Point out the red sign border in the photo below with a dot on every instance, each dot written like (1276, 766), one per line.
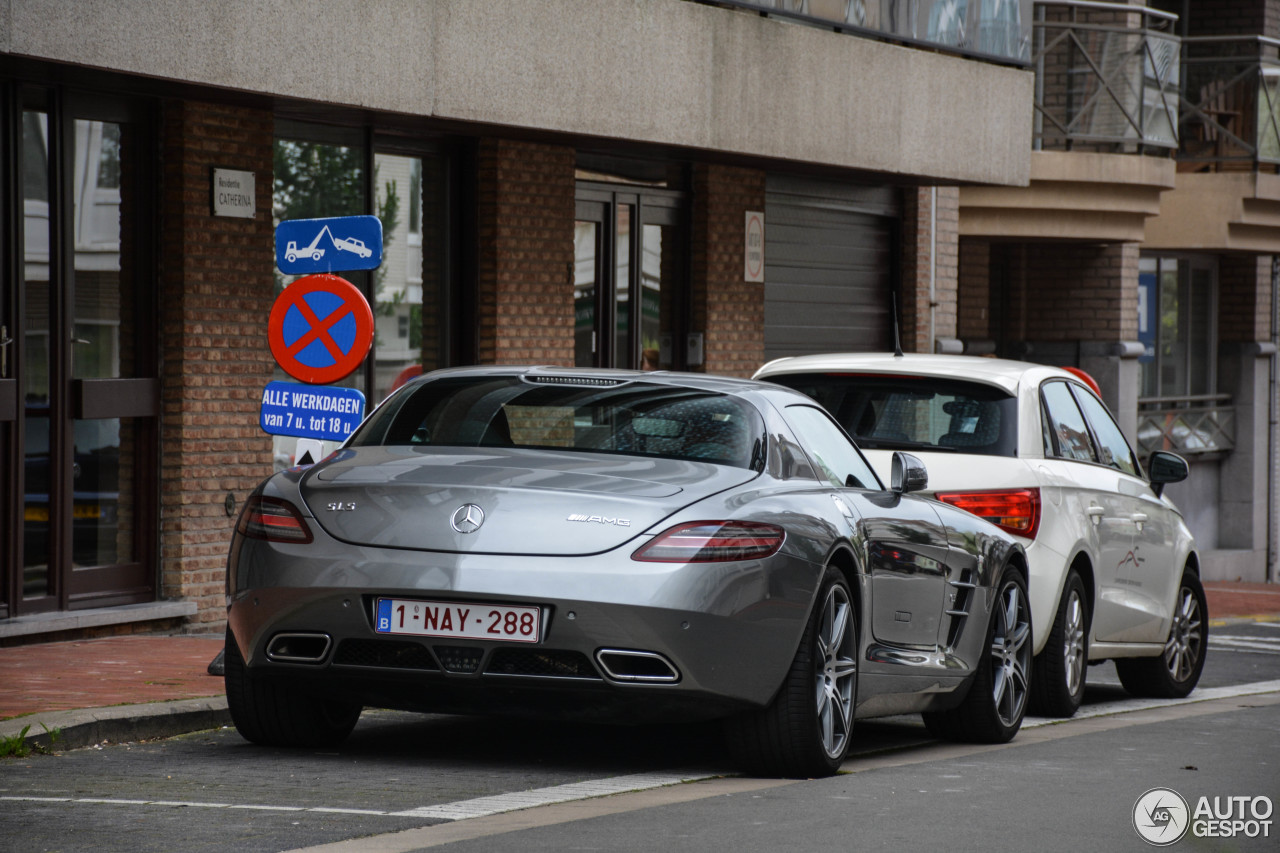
(352, 299)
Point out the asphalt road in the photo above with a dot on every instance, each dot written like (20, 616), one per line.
(406, 782)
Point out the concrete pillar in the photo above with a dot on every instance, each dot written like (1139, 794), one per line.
(1244, 373)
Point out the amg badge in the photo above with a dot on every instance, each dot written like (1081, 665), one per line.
(601, 519)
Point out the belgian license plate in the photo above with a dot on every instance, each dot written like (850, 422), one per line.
(459, 619)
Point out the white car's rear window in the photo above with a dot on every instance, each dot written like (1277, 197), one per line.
(915, 412)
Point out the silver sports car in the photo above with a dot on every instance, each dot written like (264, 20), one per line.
(621, 546)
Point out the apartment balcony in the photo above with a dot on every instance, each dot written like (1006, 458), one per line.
(1230, 113)
(1105, 128)
(1227, 196)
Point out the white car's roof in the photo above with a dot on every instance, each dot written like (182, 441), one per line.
(999, 372)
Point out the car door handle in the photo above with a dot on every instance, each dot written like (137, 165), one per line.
(1095, 513)
(1139, 518)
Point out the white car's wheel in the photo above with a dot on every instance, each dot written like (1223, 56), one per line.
(1057, 686)
(1176, 671)
(805, 731)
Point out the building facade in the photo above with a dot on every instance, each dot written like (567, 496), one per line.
(1144, 247)
(559, 183)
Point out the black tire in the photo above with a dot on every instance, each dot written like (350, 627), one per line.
(1061, 668)
(1176, 671)
(805, 731)
(270, 713)
(996, 702)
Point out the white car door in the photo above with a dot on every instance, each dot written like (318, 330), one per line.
(1136, 600)
(1090, 495)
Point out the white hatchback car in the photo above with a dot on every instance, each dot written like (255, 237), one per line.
(1114, 570)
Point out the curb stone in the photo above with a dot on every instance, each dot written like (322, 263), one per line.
(119, 723)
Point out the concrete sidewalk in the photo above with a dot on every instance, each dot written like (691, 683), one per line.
(137, 687)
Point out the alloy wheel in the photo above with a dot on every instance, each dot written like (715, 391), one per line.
(836, 670)
(1011, 654)
(1073, 643)
(1186, 640)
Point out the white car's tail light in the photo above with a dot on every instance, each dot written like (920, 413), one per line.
(274, 520)
(1014, 510)
(713, 542)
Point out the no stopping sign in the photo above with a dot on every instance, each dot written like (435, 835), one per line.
(321, 328)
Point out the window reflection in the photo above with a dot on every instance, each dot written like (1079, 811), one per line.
(319, 179)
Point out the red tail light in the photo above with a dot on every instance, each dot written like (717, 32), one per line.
(713, 542)
(1014, 510)
(274, 520)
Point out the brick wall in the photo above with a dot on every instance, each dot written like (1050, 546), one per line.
(525, 211)
(1244, 298)
(1081, 292)
(215, 297)
(973, 300)
(726, 308)
(930, 250)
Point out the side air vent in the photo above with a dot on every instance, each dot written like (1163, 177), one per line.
(963, 590)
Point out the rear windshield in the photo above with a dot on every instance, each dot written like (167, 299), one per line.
(915, 412)
(634, 418)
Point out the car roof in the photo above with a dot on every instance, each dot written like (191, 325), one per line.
(1001, 373)
(553, 374)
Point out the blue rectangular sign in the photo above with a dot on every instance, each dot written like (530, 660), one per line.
(335, 244)
(1147, 316)
(311, 411)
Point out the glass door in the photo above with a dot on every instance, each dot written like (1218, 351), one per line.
(630, 267)
(82, 355)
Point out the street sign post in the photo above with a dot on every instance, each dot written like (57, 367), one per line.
(320, 329)
(333, 244)
(308, 411)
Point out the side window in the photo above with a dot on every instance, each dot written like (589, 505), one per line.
(1069, 430)
(833, 455)
(1113, 450)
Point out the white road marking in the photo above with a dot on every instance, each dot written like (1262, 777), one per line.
(576, 791)
(484, 806)
(461, 810)
(1236, 642)
(1200, 694)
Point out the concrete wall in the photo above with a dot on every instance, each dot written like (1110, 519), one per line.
(656, 71)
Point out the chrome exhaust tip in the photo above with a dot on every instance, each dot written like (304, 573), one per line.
(637, 667)
(299, 648)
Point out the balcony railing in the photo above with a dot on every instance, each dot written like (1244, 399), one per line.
(1230, 113)
(991, 29)
(1106, 77)
(1189, 425)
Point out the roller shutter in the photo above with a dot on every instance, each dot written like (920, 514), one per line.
(828, 266)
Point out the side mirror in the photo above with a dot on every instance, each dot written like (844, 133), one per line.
(1164, 467)
(908, 473)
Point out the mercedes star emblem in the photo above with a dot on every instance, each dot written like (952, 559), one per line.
(467, 518)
